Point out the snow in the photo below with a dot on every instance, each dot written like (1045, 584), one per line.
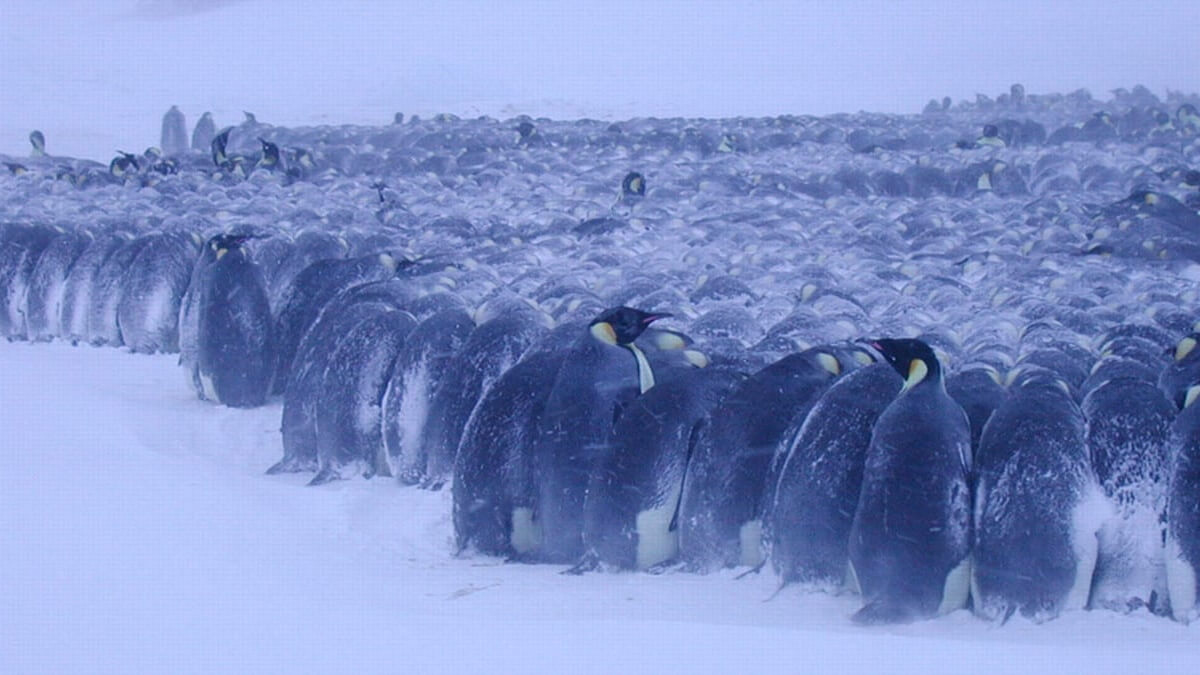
(140, 534)
(97, 77)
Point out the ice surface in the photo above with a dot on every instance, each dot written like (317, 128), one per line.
(140, 535)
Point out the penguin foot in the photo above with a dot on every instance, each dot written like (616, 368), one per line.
(588, 563)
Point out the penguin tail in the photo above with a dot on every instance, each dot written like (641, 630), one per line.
(882, 612)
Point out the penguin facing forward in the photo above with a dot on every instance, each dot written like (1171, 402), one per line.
(601, 372)
(1128, 424)
(234, 330)
(911, 535)
(1038, 506)
(630, 513)
(270, 160)
(350, 410)
(1183, 510)
(720, 516)
(808, 521)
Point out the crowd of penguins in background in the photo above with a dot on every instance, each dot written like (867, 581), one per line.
(944, 360)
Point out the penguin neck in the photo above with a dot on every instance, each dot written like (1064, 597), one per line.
(645, 372)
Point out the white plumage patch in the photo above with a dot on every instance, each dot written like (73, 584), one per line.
(750, 538)
(956, 588)
(526, 534)
(1181, 582)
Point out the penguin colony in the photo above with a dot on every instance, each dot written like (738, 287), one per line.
(943, 360)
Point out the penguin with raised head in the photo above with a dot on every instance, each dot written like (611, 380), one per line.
(270, 159)
(234, 329)
(807, 524)
(602, 371)
(1183, 510)
(720, 513)
(174, 140)
(1128, 422)
(38, 140)
(630, 513)
(911, 535)
(350, 411)
(124, 166)
(1038, 506)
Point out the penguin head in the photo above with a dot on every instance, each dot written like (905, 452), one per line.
(912, 358)
(123, 163)
(525, 129)
(1187, 347)
(223, 243)
(38, 141)
(990, 131)
(634, 184)
(270, 152)
(622, 325)
(218, 146)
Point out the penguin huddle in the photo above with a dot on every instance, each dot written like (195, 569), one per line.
(679, 380)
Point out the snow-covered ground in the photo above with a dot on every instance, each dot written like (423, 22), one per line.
(139, 534)
(96, 77)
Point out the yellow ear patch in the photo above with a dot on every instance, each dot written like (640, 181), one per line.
(387, 261)
(604, 332)
(863, 358)
(1193, 393)
(1185, 347)
(667, 341)
(917, 370)
(829, 362)
(221, 253)
(1151, 198)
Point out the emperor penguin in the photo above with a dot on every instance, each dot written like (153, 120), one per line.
(911, 535)
(602, 371)
(1038, 505)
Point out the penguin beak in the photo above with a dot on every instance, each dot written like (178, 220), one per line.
(655, 317)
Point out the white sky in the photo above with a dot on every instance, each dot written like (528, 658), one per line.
(97, 76)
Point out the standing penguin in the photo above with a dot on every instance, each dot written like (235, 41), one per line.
(349, 414)
(722, 504)
(47, 284)
(1038, 506)
(492, 348)
(234, 327)
(1183, 510)
(911, 536)
(152, 291)
(174, 139)
(202, 135)
(494, 488)
(1128, 422)
(808, 521)
(601, 372)
(630, 511)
